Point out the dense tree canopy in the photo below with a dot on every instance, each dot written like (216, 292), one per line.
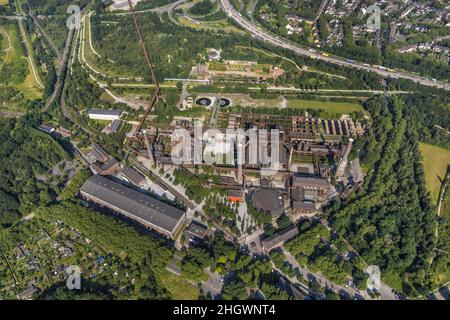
(25, 153)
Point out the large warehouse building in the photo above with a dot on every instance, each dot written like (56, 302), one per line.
(109, 115)
(150, 212)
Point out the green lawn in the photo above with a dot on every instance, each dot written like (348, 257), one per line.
(334, 107)
(179, 287)
(435, 162)
(13, 54)
(11, 43)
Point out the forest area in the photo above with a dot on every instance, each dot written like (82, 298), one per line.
(120, 54)
(53, 7)
(25, 154)
(391, 222)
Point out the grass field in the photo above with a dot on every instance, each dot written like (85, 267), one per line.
(179, 287)
(36, 80)
(334, 107)
(10, 45)
(247, 101)
(435, 162)
(14, 51)
(4, 2)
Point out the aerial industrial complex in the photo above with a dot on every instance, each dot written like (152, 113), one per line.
(224, 149)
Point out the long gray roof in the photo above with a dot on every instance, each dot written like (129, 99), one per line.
(133, 176)
(133, 202)
(279, 237)
(303, 205)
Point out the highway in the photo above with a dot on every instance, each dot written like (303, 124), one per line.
(278, 41)
(158, 10)
(172, 8)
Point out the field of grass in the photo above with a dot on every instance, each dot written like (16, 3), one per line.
(333, 107)
(11, 43)
(14, 52)
(247, 101)
(435, 162)
(179, 287)
(4, 2)
(35, 79)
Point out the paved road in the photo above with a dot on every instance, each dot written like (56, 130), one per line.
(294, 281)
(61, 69)
(172, 8)
(324, 282)
(158, 10)
(385, 291)
(284, 43)
(13, 17)
(321, 8)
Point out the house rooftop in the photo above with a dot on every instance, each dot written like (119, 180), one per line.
(46, 128)
(114, 126)
(279, 237)
(235, 193)
(197, 229)
(132, 176)
(304, 205)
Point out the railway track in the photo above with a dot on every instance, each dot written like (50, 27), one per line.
(155, 94)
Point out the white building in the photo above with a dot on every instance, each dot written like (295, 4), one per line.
(122, 5)
(110, 115)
